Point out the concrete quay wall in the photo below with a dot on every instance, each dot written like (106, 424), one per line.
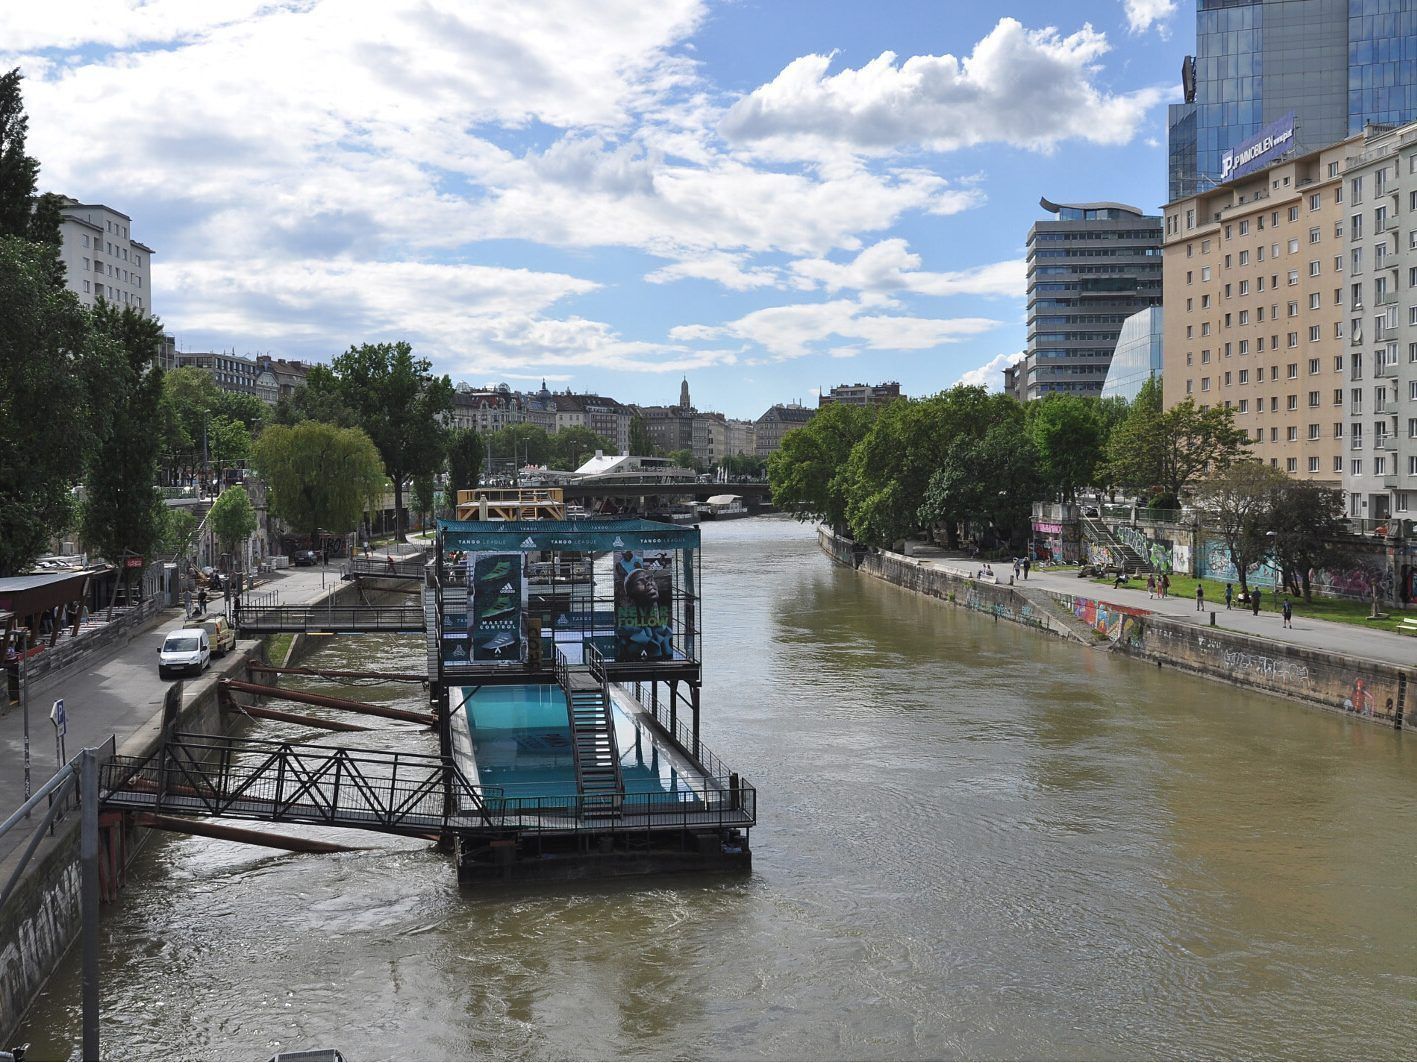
(41, 920)
(1357, 686)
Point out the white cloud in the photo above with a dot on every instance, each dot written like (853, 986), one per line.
(991, 374)
(890, 266)
(1143, 14)
(800, 329)
(1029, 88)
(719, 266)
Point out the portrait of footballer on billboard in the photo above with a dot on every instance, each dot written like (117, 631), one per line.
(644, 595)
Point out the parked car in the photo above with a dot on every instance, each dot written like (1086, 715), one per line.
(187, 649)
(221, 635)
(304, 558)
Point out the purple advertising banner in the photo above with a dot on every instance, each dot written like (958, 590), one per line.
(1259, 150)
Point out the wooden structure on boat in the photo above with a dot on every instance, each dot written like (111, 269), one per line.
(511, 503)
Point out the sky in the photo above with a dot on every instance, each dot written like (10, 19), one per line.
(766, 197)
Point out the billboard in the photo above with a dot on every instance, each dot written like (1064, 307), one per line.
(1258, 151)
(494, 607)
(644, 597)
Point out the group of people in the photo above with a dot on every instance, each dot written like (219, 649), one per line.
(1158, 587)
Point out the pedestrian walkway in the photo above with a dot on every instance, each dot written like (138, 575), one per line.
(1311, 634)
(115, 692)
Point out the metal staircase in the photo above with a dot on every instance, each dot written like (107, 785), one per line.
(1127, 558)
(597, 759)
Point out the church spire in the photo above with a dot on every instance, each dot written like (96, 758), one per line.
(684, 394)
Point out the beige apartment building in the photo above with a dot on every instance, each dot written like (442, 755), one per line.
(1254, 281)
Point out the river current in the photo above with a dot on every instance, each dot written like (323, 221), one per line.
(975, 841)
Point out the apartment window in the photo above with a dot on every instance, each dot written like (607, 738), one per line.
(1205, 273)
(1293, 211)
(1412, 428)
(1313, 333)
(1244, 261)
(1412, 390)
(1315, 200)
(1227, 380)
(1227, 261)
(1274, 404)
(1357, 260)
(1313, 464)
(1245, 317)
(1244, 375)
(1205, 328)
(1188, 386)
(1205, 302)
(1313, 366)
(1313, 431)
(86, 287)
(1338, 463)
(1244, 227)
(1338, 396)
(1274, 434)
(1400, 501)
(1293, 339)
(1291, 402)
(1189, 301)
(1244, 287)
(1293, 276)
(1292, 310)
(1380, 465)
(1338, 363)
(1355, 227)
(1356, 466)
(1190, 219)
(1259, 253)
(1205, 383)
(1244, 346)
(1259, 432)
(1313, 398)
(1188, 276)
(1314, 268)
(1291, 464)
(1291, 371)
(1205, 357)
(1337, 429)
(1190, 332)
(1190, 357)
(1315, 235)
(1293, 245)
(1190, 250)
(1244, 406)
(1355, 190)
(1338, 263)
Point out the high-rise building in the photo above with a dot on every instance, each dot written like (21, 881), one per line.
(1089, 271)
(101, 258)
(1379, 398)
(1336, 65)
(1257, 276)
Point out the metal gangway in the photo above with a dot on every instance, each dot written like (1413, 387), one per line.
(329, 619)
(376, 567)
(291, 782)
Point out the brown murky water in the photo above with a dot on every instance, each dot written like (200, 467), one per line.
(976, 841)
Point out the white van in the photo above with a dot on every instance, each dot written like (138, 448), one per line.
(186, 650)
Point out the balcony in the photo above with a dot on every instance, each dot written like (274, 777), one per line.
(1386, 444)
(1384, 371)
(1382, 409)
(1385, 299)
(1390, 480)
(1385, 334)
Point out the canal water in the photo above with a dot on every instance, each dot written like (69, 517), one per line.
(976, 841)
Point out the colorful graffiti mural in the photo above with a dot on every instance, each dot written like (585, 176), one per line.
(1215, 564)
(1155, 552)
(1106, 618)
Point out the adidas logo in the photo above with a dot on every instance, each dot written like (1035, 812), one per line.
(528, 543)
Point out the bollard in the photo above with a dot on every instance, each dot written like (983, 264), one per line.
(1212, 618)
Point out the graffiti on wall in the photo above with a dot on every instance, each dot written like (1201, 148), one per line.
(1105, 618)
(1278, 668)
(1358, 581)
(1215, 564)
(1155, 552)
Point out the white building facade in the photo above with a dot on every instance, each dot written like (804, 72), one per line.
(101, 258)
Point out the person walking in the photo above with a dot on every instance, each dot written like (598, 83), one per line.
(1027, 564)
(1229, 594)
(1017, 566)
(1287, 609)
(202, 602)
(1255, 600)
(1151, 585)
(1165, 585)
(1200, 597)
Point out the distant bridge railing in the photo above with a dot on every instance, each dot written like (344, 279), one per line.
(344, 619)
(382, 567)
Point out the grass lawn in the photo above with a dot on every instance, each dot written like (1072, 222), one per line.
(1340, 610)
(277, 646)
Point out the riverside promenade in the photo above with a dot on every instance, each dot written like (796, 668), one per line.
(1307, 633)
(118, 690)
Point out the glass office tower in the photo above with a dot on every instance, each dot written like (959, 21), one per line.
(1336, 64)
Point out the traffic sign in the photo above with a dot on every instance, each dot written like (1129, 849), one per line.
(61, 721)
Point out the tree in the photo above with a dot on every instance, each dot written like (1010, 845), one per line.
(179, 528)
(321, 478)
(465, 454)
(23, 214)
(228, 441)
(232, 519)
(807, 471)
(572, 447)
(641, 445)
(401, 406)
(682, 458)
(754, 466)
(990, 482)
(1165, 452)
(519, 444)
(1308, 525)
(1237, 501)
(320, 397)
(423, 492)
(1067, 431)
(56, 399)
(123, 513)
(195, 411)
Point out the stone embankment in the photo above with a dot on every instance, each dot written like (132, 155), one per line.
(1359, 686)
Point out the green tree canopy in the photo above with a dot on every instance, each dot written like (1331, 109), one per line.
(641, 443)
(1166, 451)
(320, 397)
(179, 528)
(401, 406)
(1068, 433)
(572, 447)
(465, 454)
(682, 458)
(1237, 501)
(123, 512)
(807, 473)
(321, 478)
(990, 482)
(232, 519)
(1308, 525)
(518, 445)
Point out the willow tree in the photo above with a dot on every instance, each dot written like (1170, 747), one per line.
(321, 478)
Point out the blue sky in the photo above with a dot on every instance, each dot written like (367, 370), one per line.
(769, 197)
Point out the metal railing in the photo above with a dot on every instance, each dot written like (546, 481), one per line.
(405, 619)
(399, 568)
(395, 793)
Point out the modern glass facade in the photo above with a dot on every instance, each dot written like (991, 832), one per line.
(1336, 64)
(1137, 357)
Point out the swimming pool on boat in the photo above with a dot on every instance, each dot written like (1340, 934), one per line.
(521, 743)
